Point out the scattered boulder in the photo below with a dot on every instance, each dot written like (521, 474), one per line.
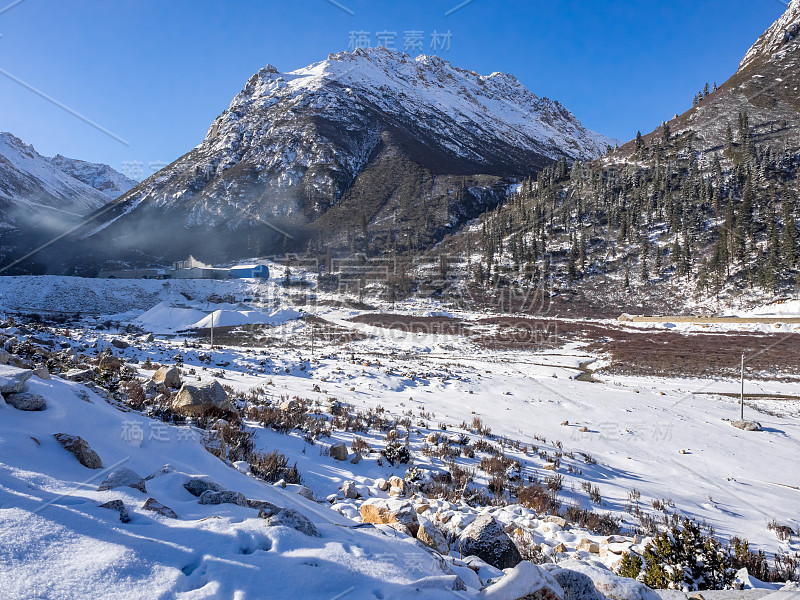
(119, 506)
(390, 512)
(79, 375)
(265, 509)
(747, 425)
(560, 521)
(349, 490)
(197, 486)
(80, 449)
(288, 405)
(123, 477)
(588, 545)
(4, 357)
(305, 492)
(526, 581)
(121, 344)
(356, 459)
(486, 539)
(147, 338)
(608, 583)
(162, 471)
(26, 401)
(397, 487)
(560, 548)
(289, 517)
(339, 451)
(151, 388)
(382, 484)
(198, 400)
(13, 382)
(169, 376)
(42, 372)
(431, 536)
(109, 362)
(157, 507)
(576, 586)
(223, 497)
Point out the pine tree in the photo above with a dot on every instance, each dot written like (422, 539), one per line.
(789, 237)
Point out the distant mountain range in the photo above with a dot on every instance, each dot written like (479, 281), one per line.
(371, 143)
(36, 189)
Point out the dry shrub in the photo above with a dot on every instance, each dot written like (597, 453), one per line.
(538, 498)
(273, 466)
(600, 524)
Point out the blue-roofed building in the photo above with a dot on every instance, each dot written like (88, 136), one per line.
(250, 272)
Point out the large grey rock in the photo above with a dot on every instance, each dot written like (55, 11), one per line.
(576, 586)
(349, 490)
(12, 380)
(289, 517)
(79, 374)
(80, 449)
(26, 401)
(486, 539)
(265, 509)
(119, 506)
(198, 485)
(339, 451)
(198, 400)
(109, 362)
(121, 344)
(157, 507)
(42, 372)
(123, 477)
(169, 376)
(223, 497)
(4, 357)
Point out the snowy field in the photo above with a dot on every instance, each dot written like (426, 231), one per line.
(615, 442)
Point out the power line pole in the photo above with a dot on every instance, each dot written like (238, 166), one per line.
(741, 397)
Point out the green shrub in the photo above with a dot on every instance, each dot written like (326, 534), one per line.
(687, 557)
(396, 453)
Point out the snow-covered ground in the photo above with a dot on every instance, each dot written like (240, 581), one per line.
(655, 439)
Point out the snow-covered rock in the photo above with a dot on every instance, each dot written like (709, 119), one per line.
(526, 581)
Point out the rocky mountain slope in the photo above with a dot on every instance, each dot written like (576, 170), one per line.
(369, 140)
(35, 189)
(702, 210)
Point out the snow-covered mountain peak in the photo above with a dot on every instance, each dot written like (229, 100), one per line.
(427, 84)
(783, 33)
(31, 183)
(295, 145)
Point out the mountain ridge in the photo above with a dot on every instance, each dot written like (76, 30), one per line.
(291, 146)
(32, 185)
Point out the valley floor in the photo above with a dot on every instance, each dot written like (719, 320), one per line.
(585, 404)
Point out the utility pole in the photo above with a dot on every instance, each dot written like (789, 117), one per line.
(741, 397)
(312, 340)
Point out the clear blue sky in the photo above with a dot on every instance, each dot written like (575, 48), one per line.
(156, 73)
